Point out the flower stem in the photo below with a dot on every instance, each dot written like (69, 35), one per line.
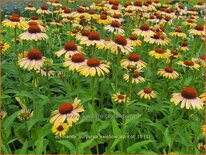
(35, 80)
(92, 86)
(130, 86)
(117, 71)
(78, 85)
(15, 40)
(47, 82)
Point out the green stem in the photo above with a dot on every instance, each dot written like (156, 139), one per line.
(47, 81)
(180, 125)
(123, 125)
(101, 95)
(108, 54)
(78, 85)
(92, 86)
(15, 40)
(34, 80)
(117, 71)
(130, 86)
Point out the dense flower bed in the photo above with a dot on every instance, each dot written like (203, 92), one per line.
(103, 77)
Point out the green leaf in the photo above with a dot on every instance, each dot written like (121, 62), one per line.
(12, 140)
(24, 148)
(117, 133)
(45, 130)
(24, 93)
(23, 106)
(5, 149)
(116, 130)
(31, 123)
(39, 146)
(167, 137)
(187, 81)
(9, 120)
(134, 148)
(87, 144)
(114, 111)
(116, 141)
(132, 118)
(68, 145)
(104, 125)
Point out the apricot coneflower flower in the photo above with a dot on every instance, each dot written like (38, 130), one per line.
(115, 28)
(148, 6)
(189, 22)
(4, 47)
(91, 15)
(98, 6)
(15, 21)
(178, 32)
(69, 20)
(129, 13)
(104, 19)
(80, 12)
(192, 11)
(93, 67)
(133, 59)
(75, 62)
(67, 13)
(174, 54)
(2, 114)
(156, 3)
(83, 35)
(203, 130)
(137, 6)
(136, 78)
(73, 32)
(67, 112)
(59, 10)
(132, 40)
(55, 3)
(30, 8)
(93, 39)
(35, 19)
(144, 31)
(120, 45)
(117, 17)
(61, 129)
(187, 98)
(115, 9)
(43, 10)
(72, 1)
(202, 59)
(203, 97)
(180, 10)
(33, 33)
(189, 64)
(24, 114)
(69, 49)
(198, 31)
(107, 44)
(160, 53)
(158, 38)
(36, 23)
(200, 5)
(168, 72)
(32, 60)
(120, 98)
(56, 23)
(147, 93)
(184, 46)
